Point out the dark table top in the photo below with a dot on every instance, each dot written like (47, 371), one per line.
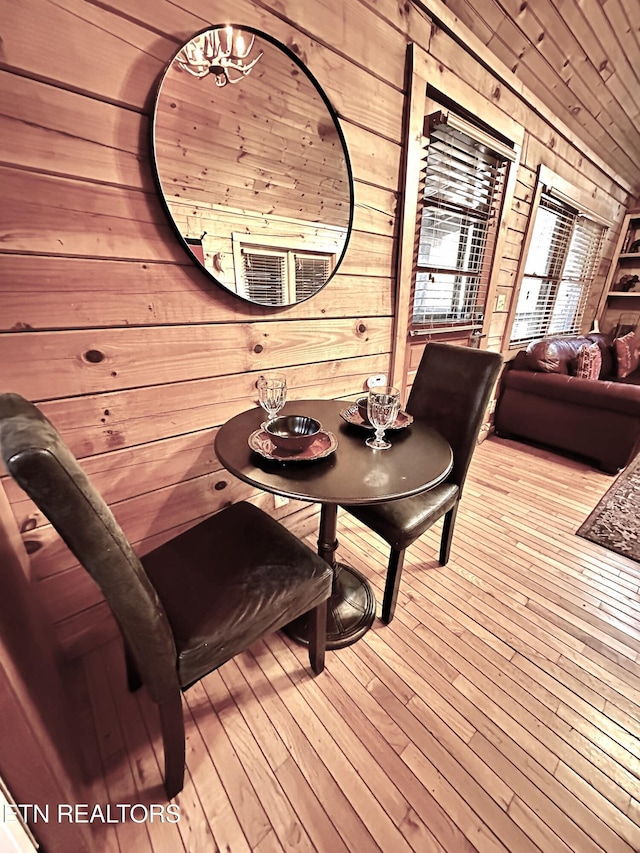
(354, 474)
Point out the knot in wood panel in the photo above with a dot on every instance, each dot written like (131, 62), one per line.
(295, 48)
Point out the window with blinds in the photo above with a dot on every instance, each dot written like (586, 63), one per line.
(562, 260)
(278, 277)
(464, 174)
(264, 275)
(311, 272)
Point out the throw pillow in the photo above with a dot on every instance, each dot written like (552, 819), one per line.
(589, 361)
(628, 354)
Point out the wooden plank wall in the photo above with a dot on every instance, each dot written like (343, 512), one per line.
(104, 321)
(39, 763)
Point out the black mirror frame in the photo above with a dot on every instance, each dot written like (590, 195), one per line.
(334, 117)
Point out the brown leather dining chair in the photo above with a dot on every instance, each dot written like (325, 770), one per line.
(191, 604)
(450, 393)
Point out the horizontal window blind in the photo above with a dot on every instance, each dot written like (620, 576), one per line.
(264, 275)
(464, 182)
(562, 261)
(311, 271)
(280, 276)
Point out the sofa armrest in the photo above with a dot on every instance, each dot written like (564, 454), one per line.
(596, 393)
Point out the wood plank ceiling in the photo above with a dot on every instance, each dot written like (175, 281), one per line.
(579, 58)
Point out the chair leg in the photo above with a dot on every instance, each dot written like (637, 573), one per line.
(172, 726)
(447, 534)
(318, 636)
(394, 573)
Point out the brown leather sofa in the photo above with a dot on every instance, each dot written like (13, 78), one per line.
(540, 399)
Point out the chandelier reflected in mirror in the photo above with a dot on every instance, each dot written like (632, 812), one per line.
(222, 52)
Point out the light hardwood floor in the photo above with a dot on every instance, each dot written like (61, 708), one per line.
(500, 711)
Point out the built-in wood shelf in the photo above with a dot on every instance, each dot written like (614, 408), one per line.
(610, 310)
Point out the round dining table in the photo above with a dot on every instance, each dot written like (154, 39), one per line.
(351, 473)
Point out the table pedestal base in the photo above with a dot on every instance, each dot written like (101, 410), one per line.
(350, 611)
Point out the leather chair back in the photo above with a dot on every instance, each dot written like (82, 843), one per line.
(42, 464)
(451, 392)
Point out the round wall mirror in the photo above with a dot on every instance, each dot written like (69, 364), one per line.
(252, 166)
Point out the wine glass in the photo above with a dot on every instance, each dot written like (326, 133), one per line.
(382, 407)
(272, 393)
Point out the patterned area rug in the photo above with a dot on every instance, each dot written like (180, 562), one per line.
(615, 522)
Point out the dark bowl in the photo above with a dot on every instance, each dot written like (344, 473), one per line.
(361, 403)
(293, 432)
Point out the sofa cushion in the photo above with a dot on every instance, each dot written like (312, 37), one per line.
(628, 354)
(605, 342)
(589, 361)
(555, 355)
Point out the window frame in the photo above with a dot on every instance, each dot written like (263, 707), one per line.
(449, 131)
(289, 250)
(560, 190)
(422, 70)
